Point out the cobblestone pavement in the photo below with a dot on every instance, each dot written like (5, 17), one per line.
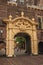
(22, 60)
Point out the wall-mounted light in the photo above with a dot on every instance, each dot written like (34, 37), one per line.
(1, 31)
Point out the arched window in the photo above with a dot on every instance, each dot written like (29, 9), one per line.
(40, 47)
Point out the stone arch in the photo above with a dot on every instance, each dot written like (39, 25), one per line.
(20, 24)
(27, 41)
(24, 18)
(40, 47)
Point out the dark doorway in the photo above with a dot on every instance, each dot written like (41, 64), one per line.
(27, 45)
(40, 48)
(2, 48)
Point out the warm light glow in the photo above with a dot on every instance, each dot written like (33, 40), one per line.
(1, 31)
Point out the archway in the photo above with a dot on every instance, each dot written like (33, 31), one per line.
(2, 38)
(24, 40)
(2, 48)
(21, 26)
(40, 48)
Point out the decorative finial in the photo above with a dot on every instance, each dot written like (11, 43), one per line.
(33, 19)
(22, 13)
(10, 17)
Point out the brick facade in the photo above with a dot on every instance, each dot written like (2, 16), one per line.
(30, 12)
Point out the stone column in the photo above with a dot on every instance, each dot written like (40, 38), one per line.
(35, 41)
(32, 47)
(9, 41)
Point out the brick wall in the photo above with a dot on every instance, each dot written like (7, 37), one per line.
(6, 10)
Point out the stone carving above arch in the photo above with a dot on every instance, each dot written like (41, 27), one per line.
(22, 24)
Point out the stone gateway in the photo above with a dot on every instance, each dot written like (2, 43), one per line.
(25, 27)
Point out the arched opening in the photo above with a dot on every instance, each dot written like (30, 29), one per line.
(23, 41)
(2, 48)
(40, 48)
(2, 38)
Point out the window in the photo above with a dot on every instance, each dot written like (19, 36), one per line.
(22, 1)
(30, 2)
(39, 22)
(33, 2)
(41, 34)
(42, 22)
(13, 0)
(2, 23)
(36, 2)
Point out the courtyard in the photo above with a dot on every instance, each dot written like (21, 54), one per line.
(22, 60)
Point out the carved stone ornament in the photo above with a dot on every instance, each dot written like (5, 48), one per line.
(22, 25)
(22, 14)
